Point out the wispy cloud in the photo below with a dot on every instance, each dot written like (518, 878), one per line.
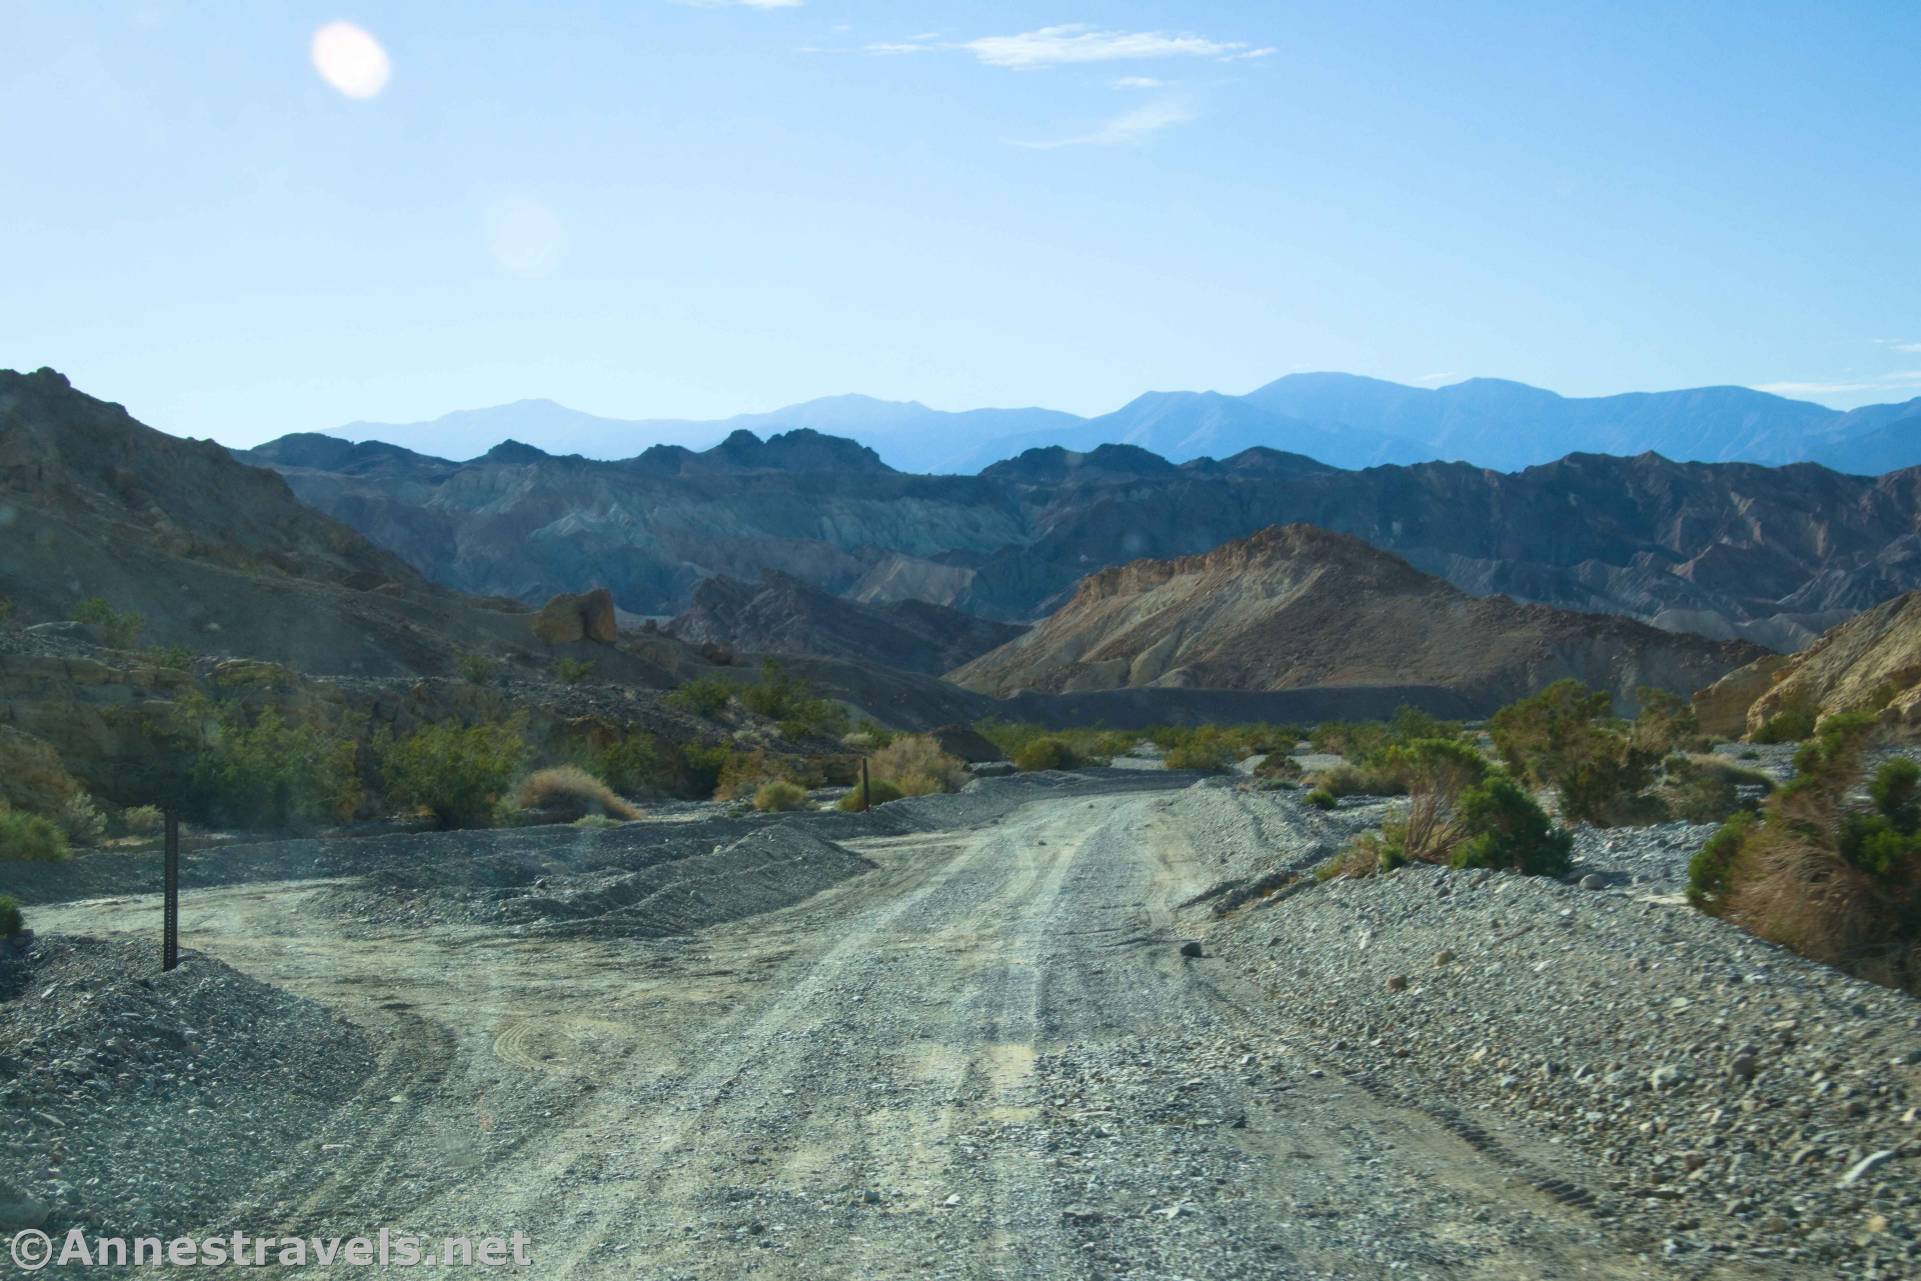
(1075, 43)
(1127, 128)
(1902, 380)
(1896, 344)
(1137, 82)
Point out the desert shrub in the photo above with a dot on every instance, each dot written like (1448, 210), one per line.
(1363, 856)
(476, 668)
(175, 658)
(29, 838)
(1322, 799)
(705, 697)
(1359, 780)
(595, 822)
(1567, 738)
(697, 767)
(572, 790)
(272, 774)
(860, 741)
(1435, 772)
(82, 820)
(1208, 749)
(11, 921)
(142, 820)
(32, 777)
(1508, 831)
(571, 671)
(781, 696)
(118, 629)
(1085, 746)
(1278, 765)
(915, 764)
(630, 763)
(1665, 723)
(457, 774)
(1707, 789)
(1044, 754)
(780, 795)
(1818, 872)
(1793, 723)
(877, 792)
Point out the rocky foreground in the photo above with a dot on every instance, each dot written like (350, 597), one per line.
(1059, 1025)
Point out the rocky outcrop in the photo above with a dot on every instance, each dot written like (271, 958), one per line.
(1871, 663)
(571, 617)
(1295, 606)
(782, 615)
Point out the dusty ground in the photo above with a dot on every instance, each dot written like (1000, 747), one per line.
(985, 1058)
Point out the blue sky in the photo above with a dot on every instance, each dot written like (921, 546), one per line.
(646, 208)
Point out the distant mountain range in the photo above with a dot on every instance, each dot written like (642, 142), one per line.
(1340, 419)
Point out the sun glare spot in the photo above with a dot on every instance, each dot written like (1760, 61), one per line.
(350, 60)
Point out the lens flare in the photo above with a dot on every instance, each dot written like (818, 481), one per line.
(351, 60)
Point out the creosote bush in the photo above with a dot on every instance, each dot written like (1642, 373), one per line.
(271, 774)
(29, 838)
(11, 921)
(878, 792)
(142, 820)
(1322, 799)
(118, 629)
(1044, 754)
(779, 796)
(1602, 769)
(706, 697)
(1819, 871)
(916, 765)
(456, 774)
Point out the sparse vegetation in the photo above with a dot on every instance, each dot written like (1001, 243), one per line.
(456, 774)
(1791, 724)
(572, 790)
(1322, 799)
(706, 697)
(1566, 737)
(1707, 789)
(82, 820)
(271, 774)
(175, 658)
(142, 820)
(877, 792)
(476, 668)
(118, 629)
(1509, 832)
(782, 696)
(11, 921)
(1213, 753)
(1044, 754)
(571, 671)
(1084, 746)
(779, 796)
(29, 838)
(1820, 872)
(916, 765)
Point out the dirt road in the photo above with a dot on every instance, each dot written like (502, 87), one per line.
(987, 1058)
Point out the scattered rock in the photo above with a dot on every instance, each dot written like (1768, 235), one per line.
(1192, 948)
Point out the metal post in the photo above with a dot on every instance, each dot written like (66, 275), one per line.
(170, 921)
(866, 797)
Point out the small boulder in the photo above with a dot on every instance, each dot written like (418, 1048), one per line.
(1397, 983)
(1192, 948)
(571, 617)
(1594, 881)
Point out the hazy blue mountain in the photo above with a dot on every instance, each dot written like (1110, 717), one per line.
(1339, 419)
(908, 435)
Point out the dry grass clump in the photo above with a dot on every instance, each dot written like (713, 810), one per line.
(877, 792)
(915, 764)
(1345, 779)
(780, 796)
(571, 790)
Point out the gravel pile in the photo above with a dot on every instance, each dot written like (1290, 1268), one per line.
(140, 1101)
(1730, 1097)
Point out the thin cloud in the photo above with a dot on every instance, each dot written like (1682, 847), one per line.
(1077, 42)
(1137, 82)
(1128, 128)
(1904, 380)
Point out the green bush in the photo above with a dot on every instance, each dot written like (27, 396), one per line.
(476, 668)
(571, 671)
(705, 697)
(781, 696)
(780, 795)
(1791, 724)
(28, 838)
(1213, 754)
(271, 774)
(1711, 869)
(1896, 791)
(1508, 831)
(82, 820)
(118, 630)
(11, 922)
(1706, 789)
(878, 792)
(1373, 779)
(456, 774)
(1322, 799)
(915, 764)
(175, 658)
(1566, 738)
(142, 820)
(1665, 723)
(1044, 754)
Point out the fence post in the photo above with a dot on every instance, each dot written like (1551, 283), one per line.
(866, 797)
(170, 912)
